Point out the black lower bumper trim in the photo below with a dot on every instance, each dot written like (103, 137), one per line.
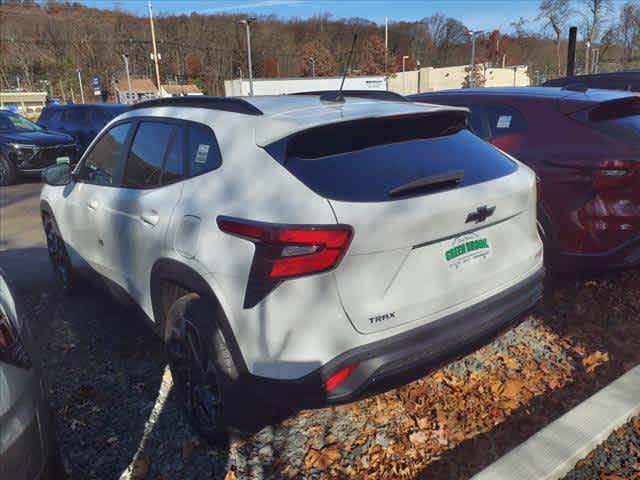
(397, 360)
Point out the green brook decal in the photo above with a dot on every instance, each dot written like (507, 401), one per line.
(467, 248)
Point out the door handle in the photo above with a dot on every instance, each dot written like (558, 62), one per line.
(152, 218)
(92, 205)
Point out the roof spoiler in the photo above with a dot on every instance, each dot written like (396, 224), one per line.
(332, 95)
(227, 104)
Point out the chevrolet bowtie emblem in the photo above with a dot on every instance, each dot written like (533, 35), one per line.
(481, 214)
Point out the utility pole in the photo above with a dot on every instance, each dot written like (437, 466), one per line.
(386, 43)
(126, 67)
(81, 88)
(155, 48)
(247, 22)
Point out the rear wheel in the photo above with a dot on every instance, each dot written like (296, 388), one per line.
(8, 172)
(201, 365)
(58, 255)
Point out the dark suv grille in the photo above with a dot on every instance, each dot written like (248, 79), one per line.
(42, 157)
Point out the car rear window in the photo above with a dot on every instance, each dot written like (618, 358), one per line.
(619, 119)
(353, 163)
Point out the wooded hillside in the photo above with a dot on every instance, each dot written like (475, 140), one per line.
(52, 40)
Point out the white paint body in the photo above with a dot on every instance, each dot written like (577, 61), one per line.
(305, 322)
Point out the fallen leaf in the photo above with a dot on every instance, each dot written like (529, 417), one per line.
(231, 475)
(418, 438)
(112, 440)
(140, 469)
(594, 360)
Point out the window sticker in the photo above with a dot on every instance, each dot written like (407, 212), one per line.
(202, 153)
(504, 121)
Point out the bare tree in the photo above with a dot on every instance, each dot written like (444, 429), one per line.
(594, 18)
(628, 29)
(555, 14)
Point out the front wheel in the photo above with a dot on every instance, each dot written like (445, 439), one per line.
(201, 366)
(8, 173)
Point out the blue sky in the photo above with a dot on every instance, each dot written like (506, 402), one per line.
(476, 14)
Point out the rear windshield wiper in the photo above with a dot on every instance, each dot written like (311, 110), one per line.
(443, 180)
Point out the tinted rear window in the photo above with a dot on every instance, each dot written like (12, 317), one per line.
(369, 174)
(619, 119)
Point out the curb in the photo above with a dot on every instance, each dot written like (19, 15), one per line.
(554, 450)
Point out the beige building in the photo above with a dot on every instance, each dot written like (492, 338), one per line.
(141, 89)
(27, 103)
(430, 79)
(179, 90)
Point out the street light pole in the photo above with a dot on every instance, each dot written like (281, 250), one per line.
(247, 22)
(404, 77)
(126, 68)
(81, 89)
(313, 66)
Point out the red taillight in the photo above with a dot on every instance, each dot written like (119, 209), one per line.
(614, 174)
(11, 348)
(286, 251)
(339, 377)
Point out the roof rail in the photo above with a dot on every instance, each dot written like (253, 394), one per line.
(330, 95)
(228, 104)
(575, 87)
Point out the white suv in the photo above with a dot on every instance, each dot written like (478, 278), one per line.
(300, 249)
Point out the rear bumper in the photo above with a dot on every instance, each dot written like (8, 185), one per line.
(397, 360)
(625, 255)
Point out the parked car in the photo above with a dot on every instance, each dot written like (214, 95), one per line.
(626, 81)
(26, 148)
(585, 149)
(82, 122)
(28, 449)
(300, 250)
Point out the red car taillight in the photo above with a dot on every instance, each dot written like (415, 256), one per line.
(614, 174)
(288, 251)
(11, 347)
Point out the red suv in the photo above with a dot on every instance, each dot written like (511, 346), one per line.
(585, 147)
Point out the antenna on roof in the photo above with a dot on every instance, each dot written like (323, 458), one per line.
(339, 97)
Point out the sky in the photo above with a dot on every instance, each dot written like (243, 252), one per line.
(475, 14)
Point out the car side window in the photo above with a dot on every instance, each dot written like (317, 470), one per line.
(173, 169)
(76, 115)
(103, 165)
(146, 157)
(505, 120)
(204, 154)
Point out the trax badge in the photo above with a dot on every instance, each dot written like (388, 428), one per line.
(382, 318)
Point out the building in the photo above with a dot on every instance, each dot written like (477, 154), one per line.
(27, 103)
(279, 86)
(141, 89)
(430, 79)
(175, 90)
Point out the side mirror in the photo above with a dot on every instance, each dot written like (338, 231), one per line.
(57, 175)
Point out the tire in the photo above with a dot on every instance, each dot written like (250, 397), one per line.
(8, 172)
(201, 366)
(58, 255)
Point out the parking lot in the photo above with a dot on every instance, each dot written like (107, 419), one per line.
(117, 416)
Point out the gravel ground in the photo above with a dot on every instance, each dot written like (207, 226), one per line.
(617, 458)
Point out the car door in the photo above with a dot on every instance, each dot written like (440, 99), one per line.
(98, 173)
(508, 128)
(137, 216)
(77, 122)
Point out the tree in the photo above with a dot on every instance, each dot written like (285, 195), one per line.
(593, 20)
(442, 33)
(372, 58)
(628, 29)
(316, 58)
(555, 14)
(271, 69)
